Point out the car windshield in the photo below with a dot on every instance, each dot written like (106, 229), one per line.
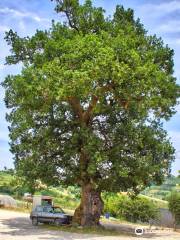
(58, 210)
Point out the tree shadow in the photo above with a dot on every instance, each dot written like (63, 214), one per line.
(130, 229)
(21, 226)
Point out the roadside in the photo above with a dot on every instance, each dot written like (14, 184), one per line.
(17, 226)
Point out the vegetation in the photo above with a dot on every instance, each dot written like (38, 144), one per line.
(88, 105)
(67, 198)
(89, 230)
(158, 202)
(164, 190)
(174, 207)
(11, 184)
(5, 183)
(117, 205)
(130, 209)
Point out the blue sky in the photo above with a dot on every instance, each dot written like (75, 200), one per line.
(25, 16)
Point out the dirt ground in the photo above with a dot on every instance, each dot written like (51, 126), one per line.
(17, 226)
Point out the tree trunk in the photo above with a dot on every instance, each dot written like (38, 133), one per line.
(91, 207)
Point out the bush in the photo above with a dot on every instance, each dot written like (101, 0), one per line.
(137, 209)
(174, 206)
(113, 204)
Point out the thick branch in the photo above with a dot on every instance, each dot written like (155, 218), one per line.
(70, 21)
(67, 7)
(88, 113)
(78, 110)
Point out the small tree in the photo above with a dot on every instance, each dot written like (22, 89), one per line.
(174, 207)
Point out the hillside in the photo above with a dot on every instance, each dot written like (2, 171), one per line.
(119, 206)
(6, 179)
(60, 195)
(163, 191)
(157, 194)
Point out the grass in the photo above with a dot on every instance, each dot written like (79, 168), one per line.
(81, 230)
(5, 183)
(61, 197)
(158, 202)
(163, 191)
(5, 178)
(86, 230)
(23, 210)
(68, 199)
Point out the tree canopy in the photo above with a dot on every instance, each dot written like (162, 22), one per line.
(88, 105)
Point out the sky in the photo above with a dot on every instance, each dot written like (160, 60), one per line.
(161, 17)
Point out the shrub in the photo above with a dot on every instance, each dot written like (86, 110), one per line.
(174, 207)
(75, 191)
(137, 209)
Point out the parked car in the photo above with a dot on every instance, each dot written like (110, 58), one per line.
(49, 214)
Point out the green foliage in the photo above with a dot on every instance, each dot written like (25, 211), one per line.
(131, 209)
(75, 191)
(157, 202)
(12, 185)
(83, 18)
(16, 186)
(174, 206)
(163, 191)
(89, 102)
(65, 198)
(5, 183)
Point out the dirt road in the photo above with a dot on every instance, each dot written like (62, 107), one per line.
(17, 226)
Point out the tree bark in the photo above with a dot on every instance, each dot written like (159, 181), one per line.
(91, 207)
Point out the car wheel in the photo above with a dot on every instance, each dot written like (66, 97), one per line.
(57, 222)
(34, 221)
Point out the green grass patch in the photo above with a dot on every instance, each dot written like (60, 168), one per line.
(86, 230)
(158, 202)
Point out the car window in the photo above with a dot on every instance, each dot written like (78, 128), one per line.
(39, 209)
(58, 210)
(48, 209)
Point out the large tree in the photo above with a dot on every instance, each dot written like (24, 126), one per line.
(87, 107)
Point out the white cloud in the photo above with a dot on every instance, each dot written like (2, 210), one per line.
(156, 16)
(20, 14)
(174, 43)
(178, 109)
(160, 9)
(4, 28)
(5, 158)
(22, 26)
(169, 27)
(175, 138)
(2, 66)
(4, 137)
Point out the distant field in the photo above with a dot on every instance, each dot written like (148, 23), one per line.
(61, 196)
(158, 202)
(6, 183)
(163, 191)
(71, 195)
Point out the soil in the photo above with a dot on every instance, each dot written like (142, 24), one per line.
(17, 226)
